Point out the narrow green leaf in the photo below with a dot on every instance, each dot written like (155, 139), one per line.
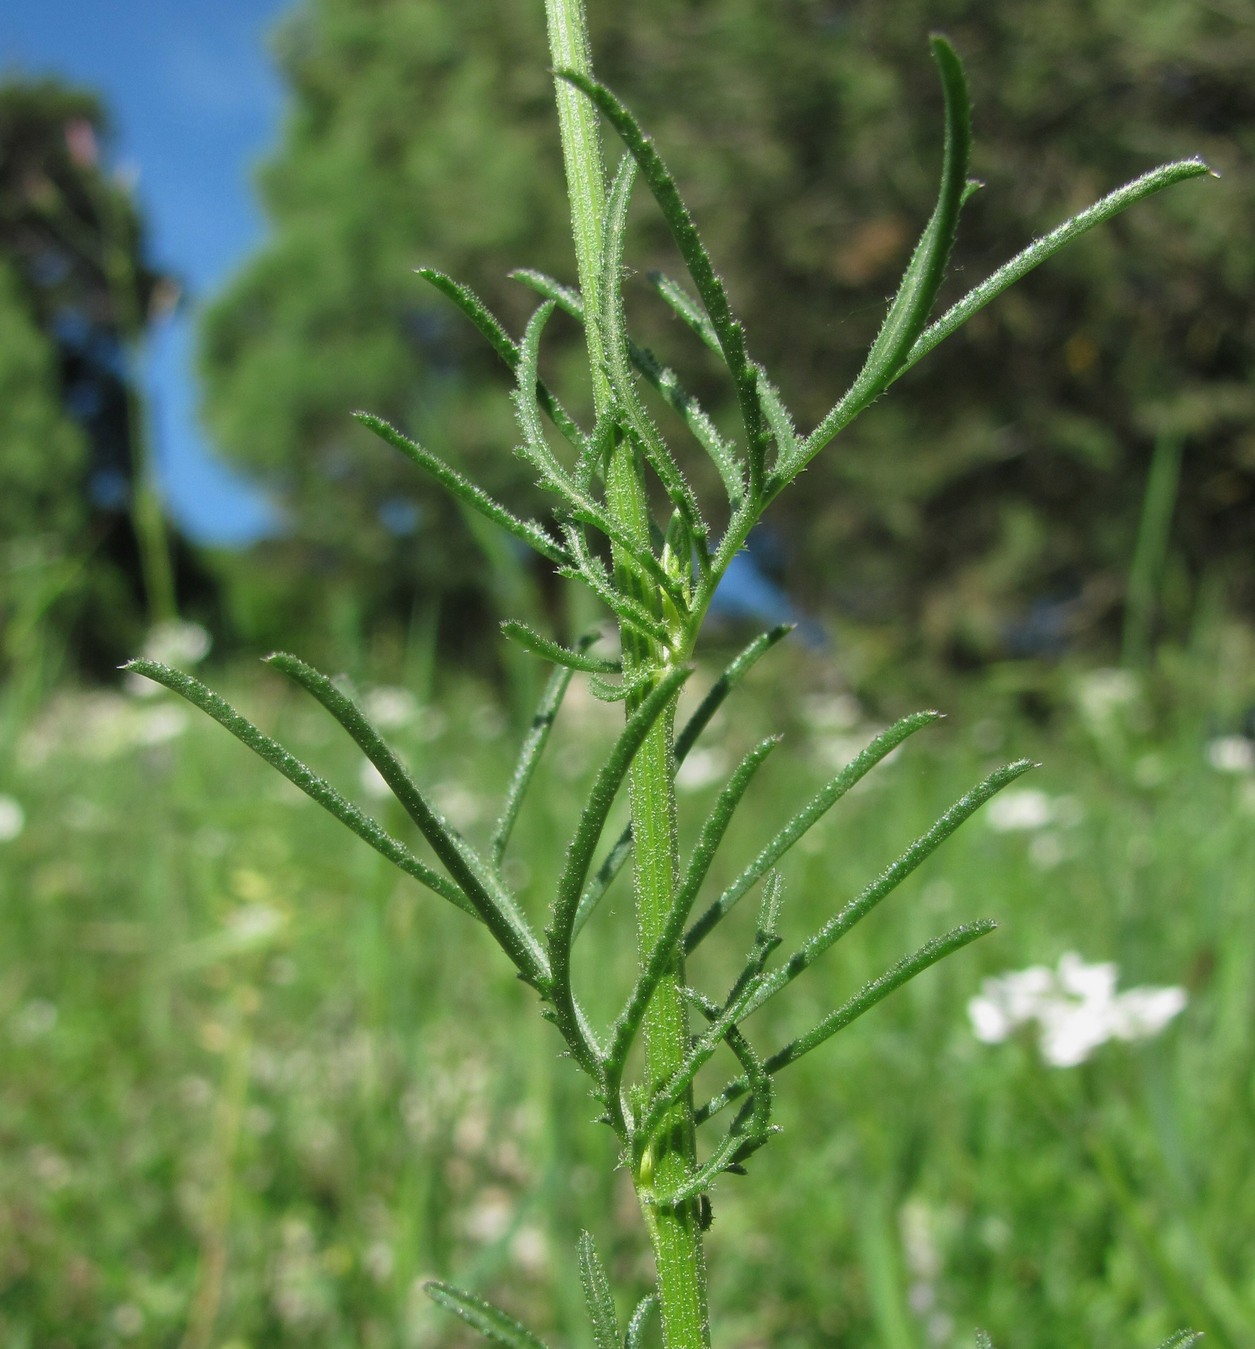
(475, 877)
(618, 356)
(924, 273)
(666, 949)
(664, 380)
(580, 853)
(645, 1308)
(983, 1341)
(530, 640)
(690, 312)
(501, 342)
(863, 1001)
(888, 880)
(1047, 246)
(490, 1321)
(529, 754)
(805, 819)
(684, 742)
(597, 1295)
(529, 531)
(535, 448)
(600, 798)
(627, 608)
(315, 787)
(1182, 1340)
(752, 1126)
(697, 260)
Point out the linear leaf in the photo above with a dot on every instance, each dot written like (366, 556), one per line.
(597, 807)
(315, 787)
(535, 448)
(530, 640)
(477, 880)
(1047, 246)
(501, 342)
(597, 1295)
(529, 531)
(684, 742)
(690, 312)
(665, 949)
(888, 880)
(618, 356)
(917, 292)
(529, 755)
(640, 1319)
(1182, 1340)
(490, 1321)
(630, 610)
(805, 819)
(580, 853)
(662, 378)
(864, 1000)
(697, 260)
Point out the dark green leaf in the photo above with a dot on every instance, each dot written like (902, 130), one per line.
(315, 787)
(530, 640)
(490, 1321)
(808, 816)
(597, 1295)
(466, 491)
(476, 878)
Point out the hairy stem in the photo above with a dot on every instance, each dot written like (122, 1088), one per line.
(674, 1231)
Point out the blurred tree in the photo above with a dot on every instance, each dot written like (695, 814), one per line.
(84, 542)
(991, 503)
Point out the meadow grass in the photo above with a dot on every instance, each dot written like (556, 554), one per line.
(258, 1086)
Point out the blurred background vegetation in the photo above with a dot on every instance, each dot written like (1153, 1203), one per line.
(233, 1116)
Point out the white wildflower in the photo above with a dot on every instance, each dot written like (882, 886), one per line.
(12, 818)
(700, 769)
(177, 643)
(389, 707)
(1231, 754)
(1023, 808)
(372, 783)
(1075, 1008)
(1102, 694)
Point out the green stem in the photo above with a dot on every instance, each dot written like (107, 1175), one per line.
(675, 1232)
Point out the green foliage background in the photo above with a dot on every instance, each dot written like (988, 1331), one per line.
(1010, 467)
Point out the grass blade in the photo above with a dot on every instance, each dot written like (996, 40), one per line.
(1046, 247)
(736, 670)
(805, 819)
(316, 788)
(697, 260)
(597, 1295)
(554, 652)
(501, 342)
(490, 1321)
(477, 880)
(529, 531)
(922, 280)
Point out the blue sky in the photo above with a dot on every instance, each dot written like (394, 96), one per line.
(195, 102)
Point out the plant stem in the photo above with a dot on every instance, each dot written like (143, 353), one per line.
(674, 1232)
